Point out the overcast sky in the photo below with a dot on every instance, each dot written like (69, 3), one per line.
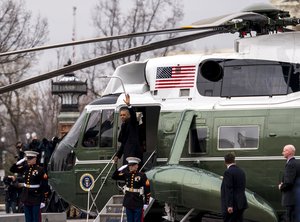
(60, 15)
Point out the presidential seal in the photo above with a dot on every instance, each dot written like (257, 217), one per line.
(87, 182)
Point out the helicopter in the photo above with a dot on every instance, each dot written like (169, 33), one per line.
(195, 108)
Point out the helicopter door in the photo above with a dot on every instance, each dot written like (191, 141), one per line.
(147, 117)
(181, 135)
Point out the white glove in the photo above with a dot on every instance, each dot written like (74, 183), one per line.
(145, 206)
(21, 161)
(122, 167)
(42, 205)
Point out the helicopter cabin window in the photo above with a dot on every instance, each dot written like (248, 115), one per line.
(99, 130)
(247, 77)
(198, 140)
(238, 137)
(254, 78)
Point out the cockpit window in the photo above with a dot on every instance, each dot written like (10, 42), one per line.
(91, 134)
(106, 131)
(99, 129)
(63, 157)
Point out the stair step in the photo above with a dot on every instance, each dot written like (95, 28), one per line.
(112, 214)
(113, 220)
(112, 217)
(117, 199)
(114, 205)
(114, 208)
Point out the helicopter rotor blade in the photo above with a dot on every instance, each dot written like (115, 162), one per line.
(109, 38)
(238, 22)
(214, 23)
(112, 56)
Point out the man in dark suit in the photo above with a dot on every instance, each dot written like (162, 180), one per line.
(288, 183)
(233, 186)
(129, 134)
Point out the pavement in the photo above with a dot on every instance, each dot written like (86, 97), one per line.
(8, 217)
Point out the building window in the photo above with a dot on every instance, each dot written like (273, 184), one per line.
(238, 137)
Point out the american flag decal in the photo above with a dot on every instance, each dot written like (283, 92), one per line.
(175, 77)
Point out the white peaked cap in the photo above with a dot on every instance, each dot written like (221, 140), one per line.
(133, 160)
(31, 153)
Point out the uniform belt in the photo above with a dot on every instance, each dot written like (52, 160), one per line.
(133, 190)
(30, 186)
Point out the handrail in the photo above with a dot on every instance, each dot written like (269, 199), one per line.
(88, 203)
(122, 215)
(102, 184)
(110, 161)
(117, 77)
(148, 160)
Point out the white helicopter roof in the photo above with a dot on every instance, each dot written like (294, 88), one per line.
(154, 78)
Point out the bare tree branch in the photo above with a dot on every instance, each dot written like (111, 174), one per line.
(142, 16)
(18, 30)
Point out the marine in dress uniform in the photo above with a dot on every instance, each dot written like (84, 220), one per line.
(34, 186)
(137, 189)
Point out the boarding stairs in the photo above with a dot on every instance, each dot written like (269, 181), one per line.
(114, 211)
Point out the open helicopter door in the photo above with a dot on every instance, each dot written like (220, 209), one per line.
(147, 117)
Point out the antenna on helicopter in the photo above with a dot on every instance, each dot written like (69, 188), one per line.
(74, 32)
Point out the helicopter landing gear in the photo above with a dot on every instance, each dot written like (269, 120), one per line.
(171, 215)
(185, 218)
(169, 210)
(197, 218)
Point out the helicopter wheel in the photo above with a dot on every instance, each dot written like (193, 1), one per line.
(155, 213)
(197, 218)
(282, 218)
